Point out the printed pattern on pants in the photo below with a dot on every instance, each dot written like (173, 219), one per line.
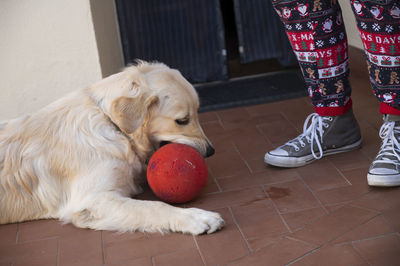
(316, 31)
(379, 26)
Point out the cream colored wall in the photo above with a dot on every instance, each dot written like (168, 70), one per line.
(353, 36)
(48, 48)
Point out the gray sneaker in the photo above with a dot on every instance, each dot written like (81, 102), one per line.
(385, 169)
(326, 134)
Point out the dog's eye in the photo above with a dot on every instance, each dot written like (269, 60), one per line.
(183, 121)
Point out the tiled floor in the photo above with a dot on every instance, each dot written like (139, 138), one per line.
(320, 214)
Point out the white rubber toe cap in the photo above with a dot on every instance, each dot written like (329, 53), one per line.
(383, 171)
(278, 152)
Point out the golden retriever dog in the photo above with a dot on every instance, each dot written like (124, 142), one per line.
(83, 157)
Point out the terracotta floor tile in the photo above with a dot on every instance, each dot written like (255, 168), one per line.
(322, 176)
(334, 207)
(291, 108)
(146, 246)
(372, 228)
(8, 234)
(372, 116)
(46, 260)
(296, 112)
(227, 163)
(241, 181)
(211, 185)
(346, 161)
(279, 253)
(230, 198)
(333, 225)
(263, 109)
(259, 219)
(257, 165)
(343, 255)
(380, 199)
(371, 142)
(291, 196)
(358, 186)
(224, 246)
(221, 143)
(392, 217)
(298, 219)
(208, 117)
(29, 251)
(180, 258)
(278, 174)
(254, 146)
(341, 194)
(383, 251)
(246, 181)
(212, 128)
(262, 241)
(278, 130)
(35, 230)
(111, 236)
(81, 248)
(234, 115)
(135, 262)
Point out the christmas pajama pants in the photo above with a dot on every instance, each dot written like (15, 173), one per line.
(316, 31)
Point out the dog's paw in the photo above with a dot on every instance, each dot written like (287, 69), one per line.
(196, 221)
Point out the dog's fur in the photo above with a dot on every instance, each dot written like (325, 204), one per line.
(81, 158)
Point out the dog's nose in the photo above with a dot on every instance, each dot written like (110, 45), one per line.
(210, 151)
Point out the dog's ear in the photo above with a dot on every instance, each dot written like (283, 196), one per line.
(129, 113)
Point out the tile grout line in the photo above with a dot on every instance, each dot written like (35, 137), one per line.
(254, 186)
(354, 205)
(217, 184)
(386, 222)
(304, 255)
(264, 136)
(17, 234)
(102, 247)
(312, 192)
(199, 250)
(374, 237)
(58, 252)
(290, 122)
(220, 121)
(359, 253)
(340, 172)
(352, 228)
(276, 209)
(240, 230)
(241, 157)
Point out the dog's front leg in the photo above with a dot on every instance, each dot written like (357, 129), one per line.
(111, 211)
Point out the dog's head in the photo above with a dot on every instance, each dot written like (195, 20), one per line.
(156, 102)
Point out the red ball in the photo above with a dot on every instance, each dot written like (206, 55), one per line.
(177, 173)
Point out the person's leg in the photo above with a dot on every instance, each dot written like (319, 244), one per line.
(317, 34)
(379, 26)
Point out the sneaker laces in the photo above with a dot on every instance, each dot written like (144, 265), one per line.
(312, 133)
(390, 146)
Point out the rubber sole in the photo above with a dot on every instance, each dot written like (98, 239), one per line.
(289, 162)
(383, 180)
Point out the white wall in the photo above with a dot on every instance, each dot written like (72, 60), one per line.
(353, 36)
(47, 49)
